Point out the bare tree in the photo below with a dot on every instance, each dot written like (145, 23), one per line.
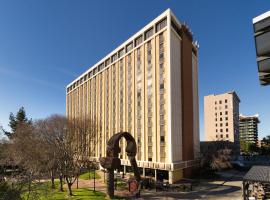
(26, 151)
(50, 133)
(80, 138)
(54, 146)
(67, 145)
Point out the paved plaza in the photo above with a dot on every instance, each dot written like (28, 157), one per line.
(227, 187)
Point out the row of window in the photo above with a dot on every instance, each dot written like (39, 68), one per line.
(220, 101)
(221, 130)
(220, 107)
(147, 34)
(221, 119)
(149, 96)
(129, 93)
(161, 88)
(139, 108)
(220, 113)
(121, 74)
(221, 136)
(221, 124)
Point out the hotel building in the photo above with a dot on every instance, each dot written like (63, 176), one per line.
(221, 117)
(147, 86)
(248, 128)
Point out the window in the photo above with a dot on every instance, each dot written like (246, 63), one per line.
(216, 125)
(226, 101)
(216, 119)
(121, 53)
(150, 159)
(226, 112)
(216, 136)
(101, 66)
(221, 124)
(129, 47)
(162, 139)
(215, 103)
(107, 62)
(220, 113)
(148, 33)
(216, 130)
(175, 27)
(221, 136)
(226, 106)
(161, 86)
(221, 130)
(138, 40)
(220, 102)
(160, 25)
(161, 41)
(227, 130)
(226, 118)
(226, 123)
(227, 135)
(161, 56)
(220, 119)
(114, 57)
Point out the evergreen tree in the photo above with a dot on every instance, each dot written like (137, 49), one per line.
(15, 121)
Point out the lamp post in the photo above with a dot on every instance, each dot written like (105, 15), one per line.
(94, 179)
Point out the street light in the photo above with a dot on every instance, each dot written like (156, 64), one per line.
(261, 26)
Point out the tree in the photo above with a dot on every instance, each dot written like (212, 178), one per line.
(49, 137)
(221, 159)
(244, 147)
(265, 145)
(67, 144)
(26, 151)
(248, 148)
(79, 138)
(15, 121)
(266, 141)
(51, 147)
(216, 155)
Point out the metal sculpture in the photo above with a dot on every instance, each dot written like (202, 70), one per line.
(111, 162)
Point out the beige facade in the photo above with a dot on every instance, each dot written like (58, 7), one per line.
(147, 86)
(221, 117)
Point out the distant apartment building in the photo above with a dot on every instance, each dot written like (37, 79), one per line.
(248, 128)
(147, 86)
(221, 117)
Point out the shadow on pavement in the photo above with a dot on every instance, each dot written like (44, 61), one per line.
(213, 190)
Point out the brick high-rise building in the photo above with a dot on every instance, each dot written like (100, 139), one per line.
(147, 86)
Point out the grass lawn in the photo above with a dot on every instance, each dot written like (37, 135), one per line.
(86, 175)
(42, 191)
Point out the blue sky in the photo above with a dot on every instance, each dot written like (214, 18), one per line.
(44, 45)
